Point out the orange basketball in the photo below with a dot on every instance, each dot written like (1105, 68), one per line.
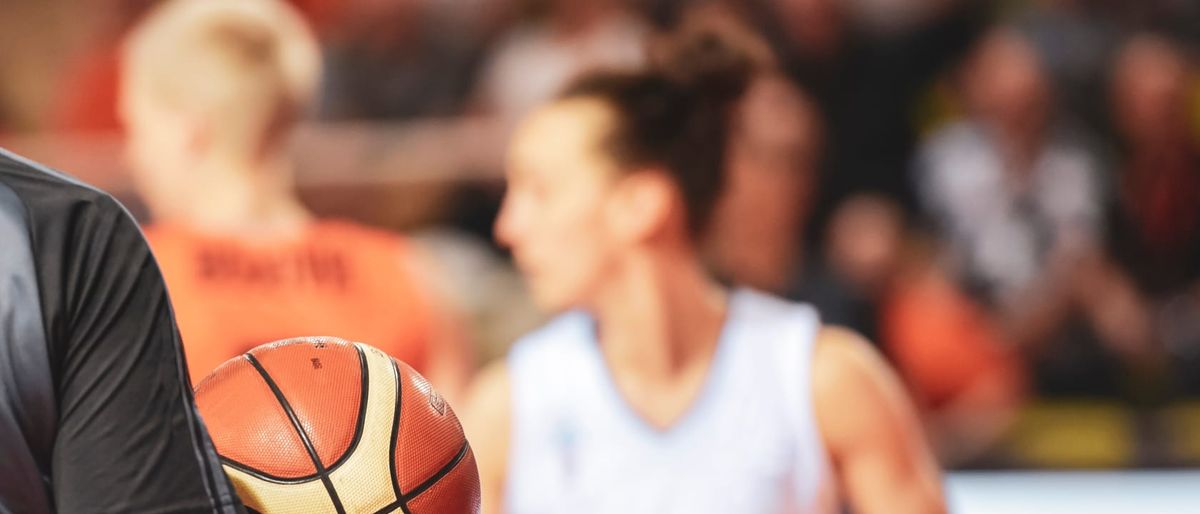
(325, 425)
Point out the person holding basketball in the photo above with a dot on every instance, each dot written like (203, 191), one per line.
(211, 93)
(656, 389)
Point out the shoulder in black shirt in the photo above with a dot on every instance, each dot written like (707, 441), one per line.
(96, 411)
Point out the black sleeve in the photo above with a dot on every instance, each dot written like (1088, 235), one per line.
(129, 438)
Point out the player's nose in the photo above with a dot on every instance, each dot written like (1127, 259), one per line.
(506, 228)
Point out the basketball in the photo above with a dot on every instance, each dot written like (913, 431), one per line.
(325, 425)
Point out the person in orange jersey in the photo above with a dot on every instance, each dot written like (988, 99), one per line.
(211, 91)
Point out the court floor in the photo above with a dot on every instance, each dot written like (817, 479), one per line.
(1127, 492)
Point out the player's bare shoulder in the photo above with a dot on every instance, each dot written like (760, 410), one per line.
(487, 422)
(846, 362)
(488, 398)
(870, 428)
(856, 393)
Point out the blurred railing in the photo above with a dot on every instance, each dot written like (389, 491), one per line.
(1093, 493)
(390, 174)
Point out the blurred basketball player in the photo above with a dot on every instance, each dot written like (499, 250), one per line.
(658, 390)
(211, 92)
(96, 412)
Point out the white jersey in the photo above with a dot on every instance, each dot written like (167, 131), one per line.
(748, 445)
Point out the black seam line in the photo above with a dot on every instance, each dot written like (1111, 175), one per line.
(312, 452)
(396, 434)
(391, 508)
(266, 476)
(362, 413)
(439, 475)
(399, 503)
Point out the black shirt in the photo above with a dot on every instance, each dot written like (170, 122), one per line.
(96, 411)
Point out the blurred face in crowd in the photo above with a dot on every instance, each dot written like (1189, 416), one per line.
(1150, 90)
(1005, 84)
(863, 241)
(569, 214)
(381, 19)
(771, 182)
(816, 25)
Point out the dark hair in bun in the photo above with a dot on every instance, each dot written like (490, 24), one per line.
(676, 113)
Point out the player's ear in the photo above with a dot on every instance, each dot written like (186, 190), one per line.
(643, 204)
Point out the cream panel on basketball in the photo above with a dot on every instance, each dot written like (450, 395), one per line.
(364, 480)
(266, 496)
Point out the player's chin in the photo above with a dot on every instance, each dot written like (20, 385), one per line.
(547, 297)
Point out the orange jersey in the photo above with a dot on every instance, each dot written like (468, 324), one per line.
(336, 279)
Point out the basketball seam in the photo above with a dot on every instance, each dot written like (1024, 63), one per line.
(358, 430)
(266, 476)
(458, 458)
(391, 508)
(312, 452)
(362, 413)
(402, 503)
(399, 503)
(396, 433)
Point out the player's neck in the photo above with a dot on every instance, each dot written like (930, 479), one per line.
(660, 317)
(235, 197)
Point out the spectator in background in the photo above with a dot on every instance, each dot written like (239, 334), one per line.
(964, 372)
(391, 60)
(535, 60)
(1154, 218)
(211, 92)
(1015, 195)
(758, 233)
(861, 252)
(868, 65)
(1013, 192)
(757, 238)
(1076, 40)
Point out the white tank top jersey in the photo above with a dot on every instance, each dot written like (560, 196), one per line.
(749, 444)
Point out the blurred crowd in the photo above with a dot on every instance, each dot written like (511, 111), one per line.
(1003, 195)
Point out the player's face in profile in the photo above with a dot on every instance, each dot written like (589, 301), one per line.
(156, 145)
(556, 208)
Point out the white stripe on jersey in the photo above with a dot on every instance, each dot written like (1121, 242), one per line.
(748, 445)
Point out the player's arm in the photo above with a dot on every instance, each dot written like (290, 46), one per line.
(449, 358)
(870, 428)
(129, 437)
(487, 421)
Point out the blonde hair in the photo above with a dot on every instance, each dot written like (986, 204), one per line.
(248, 67)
